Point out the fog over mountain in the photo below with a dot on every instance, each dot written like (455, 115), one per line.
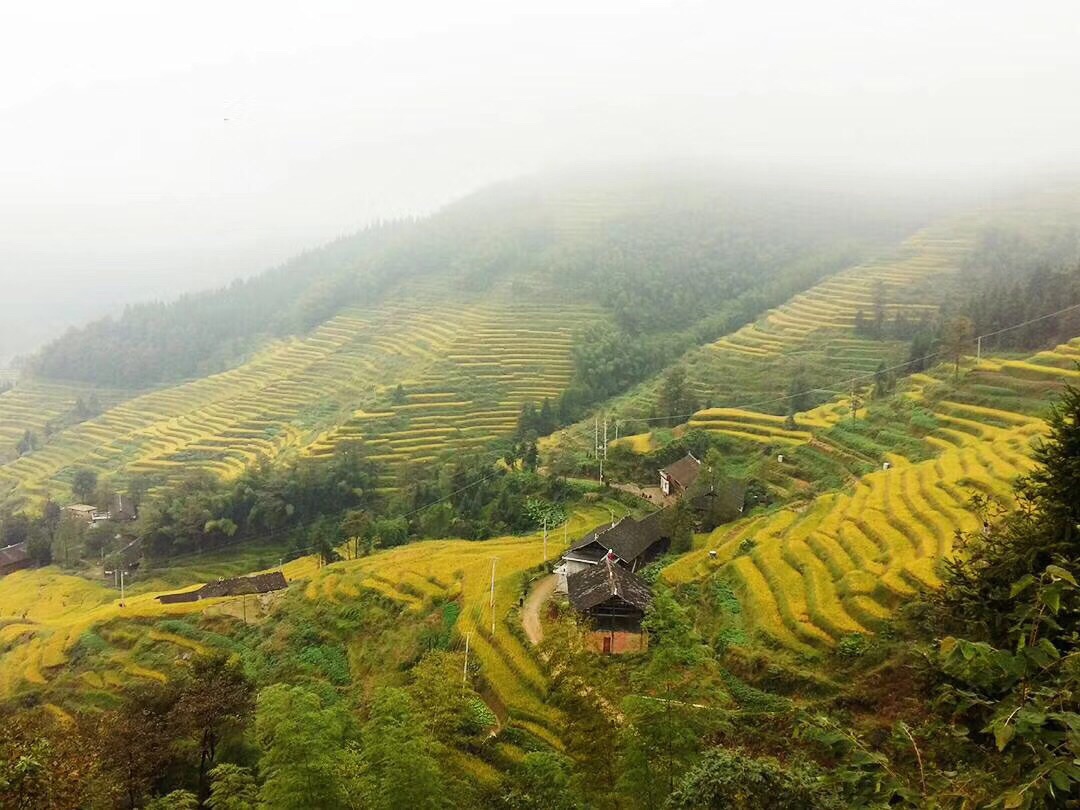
(146, 150)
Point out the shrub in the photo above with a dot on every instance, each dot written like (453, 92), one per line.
(853, 646)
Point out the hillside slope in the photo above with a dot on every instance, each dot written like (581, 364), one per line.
(811, 574)
(472, 312)
(466, 364)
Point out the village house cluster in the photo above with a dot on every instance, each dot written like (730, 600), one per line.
(599, 573)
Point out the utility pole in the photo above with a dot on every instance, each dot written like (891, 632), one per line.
(243, 606)
(545, 539)
(122, 572)
(605, 438)
(978, 349)
(465, 669)
(492, 601)
(596, 436)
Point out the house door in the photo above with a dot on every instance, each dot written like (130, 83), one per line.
(607, 645)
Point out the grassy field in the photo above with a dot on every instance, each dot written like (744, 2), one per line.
(814, 572)
(466, 364)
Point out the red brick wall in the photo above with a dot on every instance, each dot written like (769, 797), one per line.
(621, 642)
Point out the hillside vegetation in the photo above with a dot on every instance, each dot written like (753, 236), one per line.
(809, 576)
(796, 654)
(428, 337)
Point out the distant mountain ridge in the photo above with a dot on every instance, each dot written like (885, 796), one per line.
(717, 234)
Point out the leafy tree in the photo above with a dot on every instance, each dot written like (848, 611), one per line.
(665, 725)
(734, 780)
(38, 545)
(232, 788)
(215, 699)
(1012, 600)
(578, 681)
(84, 484)
(45, 764)
(444, 703)
(177, 800)
(800, 397)
(883, 382)
(679, 523)
(922, 346)
(676, 398)
(324, 537)
(390, 532)
(137, 739)
(397, 765)
(956, 337)
(28, 443)
(303, 739)
(541, 782)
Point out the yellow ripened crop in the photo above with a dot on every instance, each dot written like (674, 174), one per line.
(840, 566)
(309, 392)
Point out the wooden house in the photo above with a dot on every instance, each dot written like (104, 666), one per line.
(14, 558)
(677, 478)
(635, 544)
(237, 586)
(614, 600)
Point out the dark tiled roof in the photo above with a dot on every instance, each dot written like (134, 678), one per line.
(684, 471)
(13, 554)
(628, 538)
(260, 583)
(599, 583)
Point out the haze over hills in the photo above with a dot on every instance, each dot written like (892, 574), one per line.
(548, 275)
(396, 435)
(539, 406)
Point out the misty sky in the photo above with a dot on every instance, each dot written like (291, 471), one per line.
(148, 148)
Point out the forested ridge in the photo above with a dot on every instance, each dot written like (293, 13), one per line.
(689, 259)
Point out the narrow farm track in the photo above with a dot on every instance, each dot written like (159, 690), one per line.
(810, 575)
(534, 603)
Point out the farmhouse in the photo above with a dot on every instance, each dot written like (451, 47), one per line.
(13, 558)
(635, 544)
(238, 586)
(677, 478)
(81, 511)
(614, 599)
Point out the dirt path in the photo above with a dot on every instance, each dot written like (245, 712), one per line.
(651, 494)
(530, 611)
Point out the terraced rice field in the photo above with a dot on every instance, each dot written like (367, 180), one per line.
(841, 563)
(43, 613)
(823, 318)
(494, 361)
(32, 405)
(467, 364)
